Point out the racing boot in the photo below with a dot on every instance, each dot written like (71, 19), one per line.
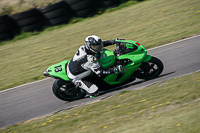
(90, 88)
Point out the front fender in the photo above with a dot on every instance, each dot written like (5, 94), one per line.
(148, 58)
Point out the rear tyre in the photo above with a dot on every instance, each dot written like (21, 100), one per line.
(149, 70)
(66, 91)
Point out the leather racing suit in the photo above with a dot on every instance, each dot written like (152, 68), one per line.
(81, 66)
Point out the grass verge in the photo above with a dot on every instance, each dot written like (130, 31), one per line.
(73, 20)
(171, 107)
(152, 23)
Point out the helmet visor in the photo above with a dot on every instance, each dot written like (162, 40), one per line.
(97, 48)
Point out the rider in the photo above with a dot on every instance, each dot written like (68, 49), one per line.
(84, 62)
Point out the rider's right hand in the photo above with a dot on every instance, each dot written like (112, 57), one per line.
(115, 40)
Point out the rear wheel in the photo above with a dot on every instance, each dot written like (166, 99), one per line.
(149, 70)
(66, 91)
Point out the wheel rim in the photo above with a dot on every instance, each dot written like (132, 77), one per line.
(69, 94)
(148, 70)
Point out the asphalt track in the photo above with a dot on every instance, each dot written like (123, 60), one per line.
(36, 99)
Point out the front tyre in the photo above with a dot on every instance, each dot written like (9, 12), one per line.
(66, 91)
(149, 70)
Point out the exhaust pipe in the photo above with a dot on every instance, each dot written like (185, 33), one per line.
(45, 73)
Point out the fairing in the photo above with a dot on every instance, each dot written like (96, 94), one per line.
(107, 59)
(59, 70)
(134, 54)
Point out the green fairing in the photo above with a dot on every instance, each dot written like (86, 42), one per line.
(127, 73)
(107, 59)
(59, 70)
(148, 57)
(130, 54)
(136, 56)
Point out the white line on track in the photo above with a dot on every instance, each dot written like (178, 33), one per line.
(174, 42)
(23, 85)
(148, 50)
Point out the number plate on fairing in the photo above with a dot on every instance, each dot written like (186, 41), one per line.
(59, 70)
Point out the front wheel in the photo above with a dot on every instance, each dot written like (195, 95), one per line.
(66, 91)
(149, 70)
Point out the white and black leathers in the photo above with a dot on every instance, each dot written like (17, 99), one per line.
(81, 66)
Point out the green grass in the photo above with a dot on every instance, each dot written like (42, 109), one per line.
(153, 23)
(73, 20)
(170, 107)
(10, 7)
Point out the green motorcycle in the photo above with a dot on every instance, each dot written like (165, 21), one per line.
(130, 54)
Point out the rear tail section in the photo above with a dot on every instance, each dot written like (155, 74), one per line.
(58, 71)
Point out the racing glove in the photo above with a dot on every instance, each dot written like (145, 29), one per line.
(118, 68)
(111, 70)
(108, 43)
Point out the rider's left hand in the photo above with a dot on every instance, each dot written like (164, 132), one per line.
(118, 68)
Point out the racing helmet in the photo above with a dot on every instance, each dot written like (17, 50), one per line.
(94, 43)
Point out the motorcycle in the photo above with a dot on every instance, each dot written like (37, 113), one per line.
(132, 55)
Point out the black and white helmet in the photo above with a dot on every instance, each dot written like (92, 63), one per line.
(94, 43)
